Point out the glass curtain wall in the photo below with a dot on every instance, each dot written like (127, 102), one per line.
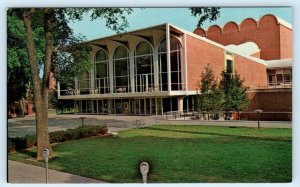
(144, 76)
(175, 57)
(101, 72)
(121, 70)
(84, 83)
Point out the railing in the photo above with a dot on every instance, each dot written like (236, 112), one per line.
(273, 84)
(102, 86)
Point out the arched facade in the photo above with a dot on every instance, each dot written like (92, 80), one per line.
(101, 72)
(121, 70)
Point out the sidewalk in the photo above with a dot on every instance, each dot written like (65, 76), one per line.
(25, 173)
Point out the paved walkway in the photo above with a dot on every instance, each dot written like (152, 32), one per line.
(116, 123)
(237, 123)
(25, 173)
(26, 126)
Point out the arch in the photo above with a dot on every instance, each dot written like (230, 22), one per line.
(267, 20)
(174, 38)
(101, 55)
(143, 41)
(200, 32)
(214, 30)
(231, 27)
(143, 67)
(117, 45)
(121, 69)
(122, 54)
(248, 24)
(143, 48)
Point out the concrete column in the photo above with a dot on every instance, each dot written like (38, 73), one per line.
(111, 75)
(185, 69)
(155, 67)
(180, 104)
(131, 66)
(168, 56)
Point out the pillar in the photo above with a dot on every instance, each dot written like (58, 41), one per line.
(180, 104)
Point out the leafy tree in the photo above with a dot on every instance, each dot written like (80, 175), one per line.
(236, 98)
(205, 13)
(211, 97)
(18, 70)
(47, 30)
(52, 46)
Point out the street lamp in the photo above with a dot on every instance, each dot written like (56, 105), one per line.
(258, 111)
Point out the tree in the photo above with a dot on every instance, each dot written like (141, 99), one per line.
(52, 46)
(211, 97)
(205, 13)
(236, 98)
(18, 70)
(52, 24)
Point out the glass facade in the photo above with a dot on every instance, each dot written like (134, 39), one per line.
(134, 106)
(101, 65)
(121, 70)
(143, 65)
(145, 70)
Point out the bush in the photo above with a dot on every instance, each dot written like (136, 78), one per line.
(85, 131)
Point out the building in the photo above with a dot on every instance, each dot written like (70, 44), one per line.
(154, 70)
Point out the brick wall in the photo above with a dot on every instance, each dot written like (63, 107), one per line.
(200, 53)
(274, 40)
(254, 74)
(270, 100)
(286, 47)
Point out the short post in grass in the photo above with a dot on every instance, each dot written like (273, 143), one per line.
(46, 158)
(258, 112)
(82, 118)
(144, 169)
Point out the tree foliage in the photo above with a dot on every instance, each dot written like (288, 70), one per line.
(236, 98)
(205, 13)
(211, 97)
(51, 46)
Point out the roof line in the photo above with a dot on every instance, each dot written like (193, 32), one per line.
(109, 36)
(219, 45)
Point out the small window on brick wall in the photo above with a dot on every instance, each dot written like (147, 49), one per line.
(229, 66)
(229, 63)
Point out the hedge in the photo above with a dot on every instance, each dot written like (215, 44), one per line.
(85, 131)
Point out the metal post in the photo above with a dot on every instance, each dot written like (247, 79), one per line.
(258, 111)
(47, 174)
(46, 158)
(258, 121)
(144, 169)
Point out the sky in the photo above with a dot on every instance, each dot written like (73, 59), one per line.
(181, 17)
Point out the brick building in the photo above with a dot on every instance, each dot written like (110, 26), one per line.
(154, 70)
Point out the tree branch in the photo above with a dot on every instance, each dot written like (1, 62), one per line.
(48, 20)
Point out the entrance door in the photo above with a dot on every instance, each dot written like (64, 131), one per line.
(126, 107)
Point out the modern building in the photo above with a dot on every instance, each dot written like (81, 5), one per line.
(154, 70)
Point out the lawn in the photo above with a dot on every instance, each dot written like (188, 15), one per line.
(178, 153)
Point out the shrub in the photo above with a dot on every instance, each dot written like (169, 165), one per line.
(85, 131)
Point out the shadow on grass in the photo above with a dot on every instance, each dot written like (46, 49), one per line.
(223, 134)
(28, 152)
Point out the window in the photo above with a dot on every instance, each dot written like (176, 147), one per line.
(144, 76)
(229, 63)
(121, 70)
(101, 72)
(279, 77)
(84, 83)
(175, 61)
(229, 66)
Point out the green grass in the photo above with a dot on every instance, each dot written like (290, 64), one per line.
(178, 154)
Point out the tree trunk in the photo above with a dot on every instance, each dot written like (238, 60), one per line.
(40, 92)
